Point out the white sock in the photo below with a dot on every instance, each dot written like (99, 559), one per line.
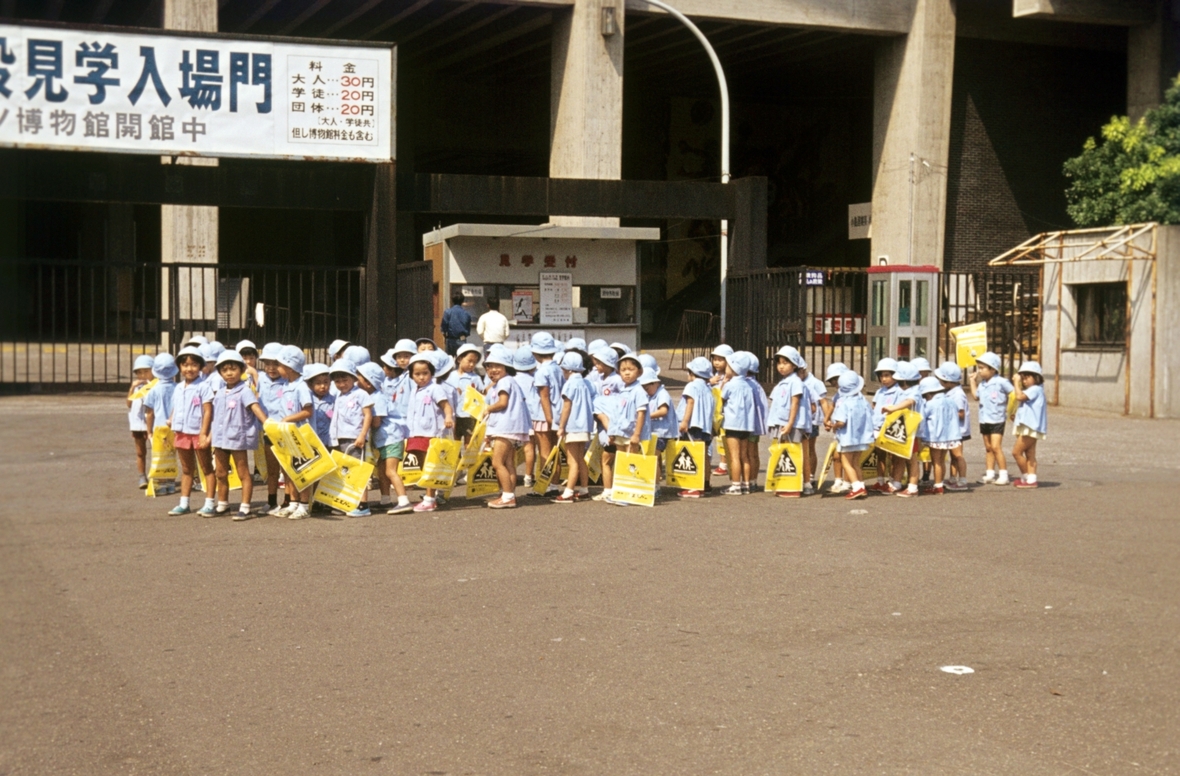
(911, 488)
(184, 502)
(896, 484)
(428, 499)
(1031, 479)
(583, 491)
(857, 487)
(508, 496)
(962, 480)
(223, 505)
(838, 483)
(403, 500)
(210, 502)
(606, 492)
(938, 484)
(990, 474)
(567, 493)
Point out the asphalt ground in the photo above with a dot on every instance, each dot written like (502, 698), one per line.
(731, 635)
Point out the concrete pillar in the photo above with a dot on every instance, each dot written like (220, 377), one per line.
(912, 116)
(190, 234)
(1146, 79)
(586, 103)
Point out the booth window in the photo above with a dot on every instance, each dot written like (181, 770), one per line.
(593, 305)
(1101, 314)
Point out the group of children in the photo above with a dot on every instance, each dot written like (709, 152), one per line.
(548, 393)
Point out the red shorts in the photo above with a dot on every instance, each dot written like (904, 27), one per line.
(185, 441)
(418, 444)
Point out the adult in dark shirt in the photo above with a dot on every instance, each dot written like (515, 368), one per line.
(456, 324)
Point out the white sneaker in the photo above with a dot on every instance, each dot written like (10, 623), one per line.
(986, 480)
(843, 487)
(528, 481)
(277, 511)
(1002, 479)
(298, 513)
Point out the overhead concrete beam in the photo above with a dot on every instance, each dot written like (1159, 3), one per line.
(1120, 12)
(863, 16)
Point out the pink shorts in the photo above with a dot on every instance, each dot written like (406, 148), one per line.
(185, 441)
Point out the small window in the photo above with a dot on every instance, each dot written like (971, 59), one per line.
(1102, 314)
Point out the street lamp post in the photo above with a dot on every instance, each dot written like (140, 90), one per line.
(724, 87)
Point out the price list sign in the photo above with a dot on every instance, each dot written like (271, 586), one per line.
(557, 298)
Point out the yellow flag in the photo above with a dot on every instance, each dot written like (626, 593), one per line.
(717, 411)
(970, 341)
(481, 477)
(347, 485)
(475, 446)
(899, 433)
(410, 469)
(685, 464)
(143, 391)
(594, 460)
(868, 463)
(300, 453)
(823, 470)
(548, 469)
(784, 469)
(635, 479)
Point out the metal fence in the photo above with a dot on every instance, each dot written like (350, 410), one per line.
(823, 313)
(697, 336)
(417, 298)
(820, 312)
(82, 323)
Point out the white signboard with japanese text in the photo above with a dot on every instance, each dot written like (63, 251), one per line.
(860, 221)
(557, 298)
(173, 95)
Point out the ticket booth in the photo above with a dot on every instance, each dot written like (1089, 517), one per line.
(569, 281)
(903, 312)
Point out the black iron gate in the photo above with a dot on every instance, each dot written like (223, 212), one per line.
(83, 323)
(823, 312)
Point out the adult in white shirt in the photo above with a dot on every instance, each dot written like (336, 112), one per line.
(492, 326)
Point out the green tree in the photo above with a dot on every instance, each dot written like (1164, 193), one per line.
(1133, 174)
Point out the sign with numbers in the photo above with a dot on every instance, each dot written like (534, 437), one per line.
(194, 95)
(557, 298)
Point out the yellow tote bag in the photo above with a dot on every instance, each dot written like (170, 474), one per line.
(649, 447)
(548, 469)
(474, 402)
(594, 460)
(823, 470)
(475, 446)
(260, 459)
(784, 470)
(347, 485)
(481, 477)
(685, 464)
(165, 464)
(635, 479)
(410, 469)
(970, 341)
(1013, 404)
(300, 453)
(899, 433)
(441, 464)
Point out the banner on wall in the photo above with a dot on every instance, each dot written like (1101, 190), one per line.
(194, 95)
